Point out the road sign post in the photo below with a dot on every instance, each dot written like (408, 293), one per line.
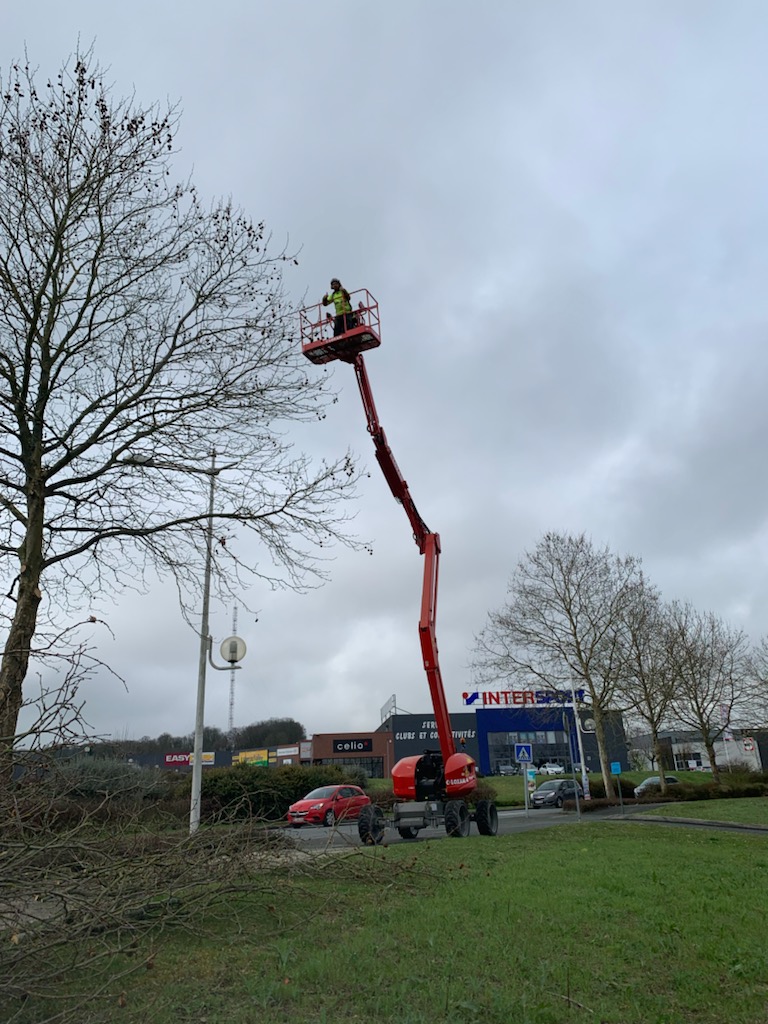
(616, 770)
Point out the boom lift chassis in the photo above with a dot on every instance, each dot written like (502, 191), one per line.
(435, 788)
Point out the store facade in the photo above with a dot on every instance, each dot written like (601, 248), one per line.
(546, 721)
(371, 751)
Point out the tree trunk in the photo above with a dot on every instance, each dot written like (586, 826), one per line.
(605, 767)
(710, 748)
(15, 659)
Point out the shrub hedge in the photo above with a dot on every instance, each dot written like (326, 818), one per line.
(96, 778)
(246, 790)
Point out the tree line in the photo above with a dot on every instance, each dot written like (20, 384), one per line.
(271, 732)
(577, 614)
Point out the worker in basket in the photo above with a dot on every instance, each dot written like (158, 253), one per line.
(345, 319)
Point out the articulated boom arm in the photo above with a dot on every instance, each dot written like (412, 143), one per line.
(429, 546)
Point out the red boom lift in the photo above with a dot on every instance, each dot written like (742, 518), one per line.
(432, 788)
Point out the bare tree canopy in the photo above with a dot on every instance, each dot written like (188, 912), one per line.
(563, 623)
(758, 681)
(646, 686)
(711, 669)
(139, 332)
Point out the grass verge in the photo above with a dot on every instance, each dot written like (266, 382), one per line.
(593, 922)
(752, 811)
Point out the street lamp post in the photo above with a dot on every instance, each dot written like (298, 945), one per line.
(580, 745)
(233, 649)
(197, 757)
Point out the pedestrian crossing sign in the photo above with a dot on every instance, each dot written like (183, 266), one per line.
(524, 753)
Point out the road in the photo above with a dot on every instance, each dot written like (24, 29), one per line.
(510, 822)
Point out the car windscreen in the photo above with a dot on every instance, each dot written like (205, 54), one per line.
(549, 785)
(321, 794)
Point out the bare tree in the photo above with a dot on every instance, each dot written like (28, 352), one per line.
(563, 623)
(710, 666)
(139, 332)
(647, 683)
(757, 673)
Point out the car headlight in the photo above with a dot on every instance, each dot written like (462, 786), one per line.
(316, 807)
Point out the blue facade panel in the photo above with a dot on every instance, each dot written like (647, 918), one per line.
(521, 720)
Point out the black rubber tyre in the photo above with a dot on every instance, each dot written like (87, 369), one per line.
(559, 802)
(486, 818)
(370, 825)
(408, 832)
(330, 819)
(457, 819)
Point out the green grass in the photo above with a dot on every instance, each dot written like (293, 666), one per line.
(745, 811)
(594, 922)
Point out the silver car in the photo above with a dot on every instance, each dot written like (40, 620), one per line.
(550, 768)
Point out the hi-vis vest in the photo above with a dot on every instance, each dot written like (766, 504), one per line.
(340, 302)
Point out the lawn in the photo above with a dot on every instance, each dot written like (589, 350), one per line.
(745, 811)
(604, 923)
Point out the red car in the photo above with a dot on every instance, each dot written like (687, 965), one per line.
(327, 805)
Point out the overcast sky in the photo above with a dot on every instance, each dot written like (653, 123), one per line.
(562, 211)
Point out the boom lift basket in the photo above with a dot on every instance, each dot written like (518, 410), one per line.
(316, 325)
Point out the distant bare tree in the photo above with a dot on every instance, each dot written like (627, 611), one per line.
(139, 331)
(647, 683)
(710, 666)
(563, 622)
(641, 753)
(758, 683)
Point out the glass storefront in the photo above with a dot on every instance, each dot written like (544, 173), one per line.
(548, 745)
(373, 766)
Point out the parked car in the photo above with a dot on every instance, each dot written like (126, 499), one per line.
(327, 805)
(508, 769)
(578, 769)
(555, 792)
(550, 768)
(651, 783)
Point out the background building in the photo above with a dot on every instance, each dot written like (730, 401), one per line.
(488, 731)
(551, 731)
(371, 751)
(413, 734)
(683, 750)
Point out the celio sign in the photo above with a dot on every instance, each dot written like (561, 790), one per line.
(364, 746)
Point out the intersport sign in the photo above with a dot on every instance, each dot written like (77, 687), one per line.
(521, 698)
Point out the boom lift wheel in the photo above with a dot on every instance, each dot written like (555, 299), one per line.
(486, 818)
(370, 825)
(457, 819)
